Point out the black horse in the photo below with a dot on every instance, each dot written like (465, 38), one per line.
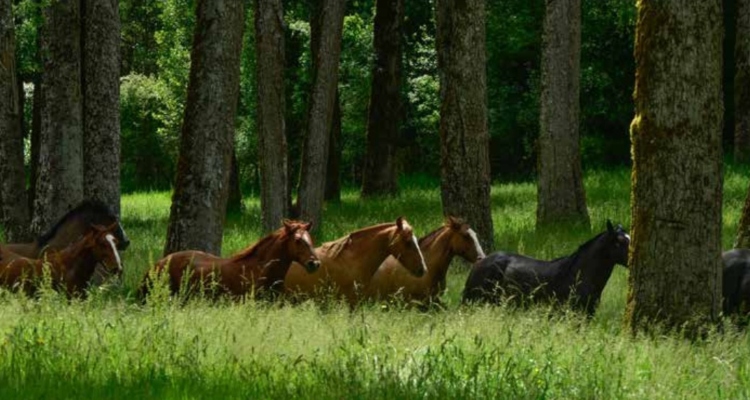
(736, 282)
(579, 278)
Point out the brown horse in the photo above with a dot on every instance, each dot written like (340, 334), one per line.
(347, 264)
(454, 238)
(76, 223)
(70, 268)
(260, 267)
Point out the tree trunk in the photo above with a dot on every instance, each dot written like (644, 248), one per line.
(380, 175)
(561, 197)
(234, 200)
(465, 160)
(326, 44)
(14, 211)
(333, 175)
(199, 202)
(101, 105)
(272, 146)
(59, 185)
(36, 131)
(742, 84)
(675, 259)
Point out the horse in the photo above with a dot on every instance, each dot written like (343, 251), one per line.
(348, 264)
(261, 267)
(70, 268)
(579, 278)
(736, 282)
(70, 227)
(453, 238)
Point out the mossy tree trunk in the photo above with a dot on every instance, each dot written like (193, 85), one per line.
(561, 196)
(379, 176)
(742, 83)
(196, 220)
(675, 254)
(464, 136)
(269, 65)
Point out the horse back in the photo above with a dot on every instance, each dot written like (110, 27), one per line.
(736, 281)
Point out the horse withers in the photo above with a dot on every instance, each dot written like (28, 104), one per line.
(260, 268)
(453, 238)
(348, 264)
(577, 279)
(70, 268)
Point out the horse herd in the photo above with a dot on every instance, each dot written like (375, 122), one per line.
(380, 262)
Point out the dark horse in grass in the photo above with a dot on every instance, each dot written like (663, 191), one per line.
(578, 278)
(736, 282)
(74, 224)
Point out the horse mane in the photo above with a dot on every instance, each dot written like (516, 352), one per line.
(571, 259)
(426, 240)
(334, 248)
(252, 250)
(86, 206)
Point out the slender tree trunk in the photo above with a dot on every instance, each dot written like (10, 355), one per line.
(465, 159)
(326, 51)
(59, 185)
(561, 197)
(269, 66)
(742, 83)
(14, 211)
(380, 174)
(675, 259)
(36, 129)
(234, 201)
(101, 105)
(199, 202)
(333, 175)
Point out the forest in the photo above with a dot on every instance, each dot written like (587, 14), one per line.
(374, 198)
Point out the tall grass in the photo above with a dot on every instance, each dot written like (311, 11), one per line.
(110, 347)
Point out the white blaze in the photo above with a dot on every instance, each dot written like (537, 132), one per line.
(111, 240)
(421, 257)
(477, 246)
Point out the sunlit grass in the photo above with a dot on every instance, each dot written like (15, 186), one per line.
(110, 347)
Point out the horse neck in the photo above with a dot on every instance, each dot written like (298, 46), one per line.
(375, 252)
(438, 256)
(266, 260)
(76, 263)
(590, 267)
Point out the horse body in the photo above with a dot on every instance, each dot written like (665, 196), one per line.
(454, 238)
(736, 282)
(579, 278)
(348, 264)
(71, 267)
(261, 267)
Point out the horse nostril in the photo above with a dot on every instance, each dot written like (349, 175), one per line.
(124, 244)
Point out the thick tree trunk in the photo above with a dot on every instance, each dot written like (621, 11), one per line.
(675, 259)
(269, 72)
(380, 174)
(326, 51)
(101, 105)
(742, 84)
(333, 174)
(465, 159)
(59, 185)
(561, 197)
(199, 202)
(14, 211)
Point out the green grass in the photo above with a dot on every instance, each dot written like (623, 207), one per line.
(110, 347)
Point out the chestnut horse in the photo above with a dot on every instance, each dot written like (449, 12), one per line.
(76, 223)
(260, 267)
(454, 238)
(70, 268)
(347, 264)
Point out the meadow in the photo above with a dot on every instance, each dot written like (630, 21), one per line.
(110, 346)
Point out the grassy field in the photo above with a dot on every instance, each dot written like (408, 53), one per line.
(110, 347)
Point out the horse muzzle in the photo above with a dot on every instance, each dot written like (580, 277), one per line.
(312, 266)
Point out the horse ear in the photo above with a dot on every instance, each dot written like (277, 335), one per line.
(287, 224)
(610, 228)
(400, 223)
(307, 226)
(99, 228)
(453, 222)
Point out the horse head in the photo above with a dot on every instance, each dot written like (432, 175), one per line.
(619, 239)
(405, 248)
(104, 245)
(299, 244)
(79, 220)
(464, 241)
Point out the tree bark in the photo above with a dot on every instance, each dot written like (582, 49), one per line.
(333, 174)
(380, 174)
(101, 105)
(465, 160)
(742, 83)
(560, 192)
(59, 185)
(675, 259)
(199, 202)
(36, 132)
(14, 211)
(271, 105)
(326, 51)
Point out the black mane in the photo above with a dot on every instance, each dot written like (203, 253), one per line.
(88, 207)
